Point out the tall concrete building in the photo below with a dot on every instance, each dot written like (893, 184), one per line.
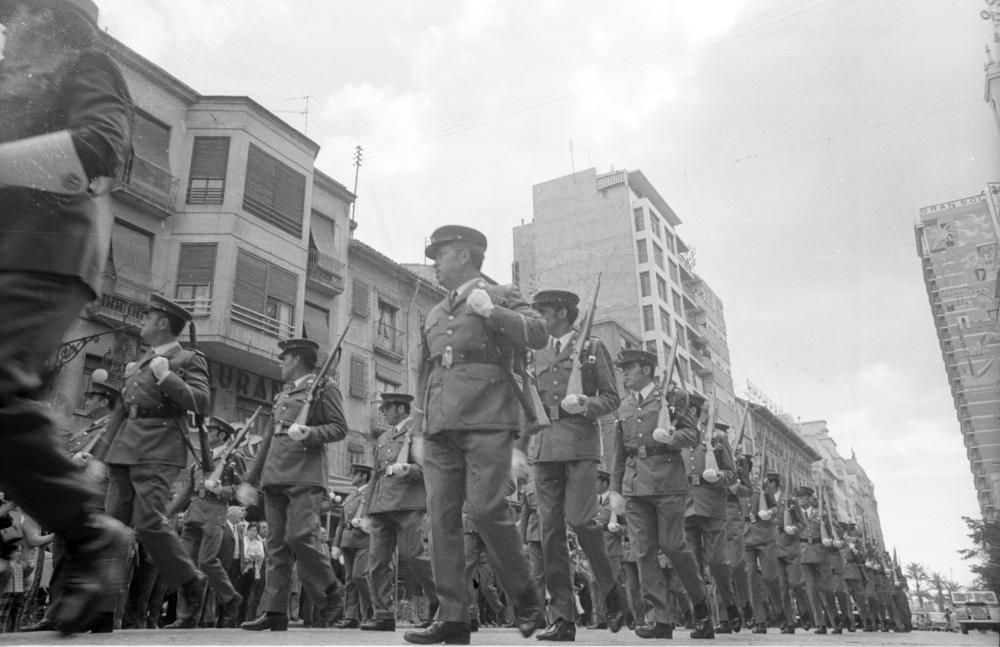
(957, 243)
(617, 224)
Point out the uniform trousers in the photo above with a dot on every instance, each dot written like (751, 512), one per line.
(567, 494)
(479, 570)
(633, 590)
(203, 539)
(793, 591)
(292, 513)
(762, 563)
(618, 575)
(536, 564)
(707, 538)
(875, 604)
(357, 594)
(38, 310)
(657, 522)
(817, 577)
(471, 467)
(138, 496)
(838, 587)
(856, 588)
(402, 531)
(735, 527)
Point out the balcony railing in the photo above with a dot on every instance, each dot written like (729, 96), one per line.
(325, 271)
(115, 306)
(388, 340)
(262, 323)
(197, 307)
(152, 184)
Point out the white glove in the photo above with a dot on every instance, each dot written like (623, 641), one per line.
(81, 458)
(791, 530)
(712, 476)
(213, 486)
(356, 522)
(826, 542)
(574, 404)
(335, 552)
(662, 435)
(518, 464)
(613, 527)
(160, 367)
(246, 494)
(616, 502)
(764, 515)
(837, 543)
(337, 498)
(95, 471)
(298, 432)
(398, 469)
(480, 302)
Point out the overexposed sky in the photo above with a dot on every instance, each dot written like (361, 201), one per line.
(796, 139)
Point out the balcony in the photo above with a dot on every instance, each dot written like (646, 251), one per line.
(119, 304)
(325, 273)
(149, 187)
(262, 323)
(197, 307)
(389, 341)
(699, 368)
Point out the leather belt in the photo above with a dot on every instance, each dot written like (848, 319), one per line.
(811, 541)
(135, 412)
(450, 357)
(648, 450)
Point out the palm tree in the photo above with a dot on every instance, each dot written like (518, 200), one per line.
(951, 586)
(917, 574)
(936, 583)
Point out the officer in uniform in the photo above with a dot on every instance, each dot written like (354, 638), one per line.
(613, 531)
(352, 541)
(205, 502)
(854, 574)
(145, 446)
(470, 415)
(99, 400)
(65, 124)
(760, 552)
(292, 471)
(566, 458)
(649, 470)
(705, 516)
(813, 558)
(788, 549)
(397, 505)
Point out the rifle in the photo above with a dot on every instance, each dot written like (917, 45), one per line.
(199, 419)
(711, 472)
(574, 384)
(265, 446)
(663, 421)
(743, 427)
(233, 445)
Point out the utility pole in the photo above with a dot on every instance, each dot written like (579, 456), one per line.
(358, 153)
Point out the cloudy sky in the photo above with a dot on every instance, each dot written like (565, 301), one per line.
(796, 139)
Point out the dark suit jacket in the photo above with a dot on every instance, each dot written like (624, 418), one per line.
(347, 536)
(396, 492)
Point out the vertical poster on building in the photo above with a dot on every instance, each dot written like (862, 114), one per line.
(961, 239)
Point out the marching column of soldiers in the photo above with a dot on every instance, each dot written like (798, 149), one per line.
(507, 402)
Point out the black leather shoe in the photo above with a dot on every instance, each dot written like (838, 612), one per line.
(379, 624)
(231, 609)
(616, 606)
(703, 628)
(333, 610)
(347, 623)
(655, 630)
(528, 612)
(723, 627)
(559, 631)
(190, 595)
(104, 623)
(789, 628)
(440, 631)
(473, 625)
(820, 630)
(760, 628)
(267, 622)
(42, 625)
(837, 631)
(735, 620)
(598, 625)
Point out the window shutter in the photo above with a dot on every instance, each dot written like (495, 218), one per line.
(197, 264)
(152, 141)
(260, 176)
(251, 282)
(359, 377)
(359, 298)
(282, 284)
(210, 158)
(132, 250)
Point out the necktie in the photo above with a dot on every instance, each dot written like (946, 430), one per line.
(558, 346)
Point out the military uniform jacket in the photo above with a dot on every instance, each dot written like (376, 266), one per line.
(203, 505)
(293, 462)
(150, 424)
(612, 540)
(85, 93)
(811, 548)
(396, 492)
(788, 543)
(835, 559)
(573, 437)
(709, 499)
(658, 473)
(462, 382)
(759, 532)
(347, 536)
(78, 441)
(854, 561)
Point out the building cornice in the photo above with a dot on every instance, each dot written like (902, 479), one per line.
(790, 433)
(125, 55)
(643, 187)
(358, 247)
(264, 115)
(324, 181)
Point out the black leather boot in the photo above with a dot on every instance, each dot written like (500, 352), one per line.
(440, 631)
(559, 631)
(655, 630)
(267, 622)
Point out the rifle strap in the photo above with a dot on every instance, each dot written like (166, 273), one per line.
(181, 426)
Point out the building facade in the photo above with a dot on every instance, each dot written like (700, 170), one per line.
(618, 225)
(957, 242)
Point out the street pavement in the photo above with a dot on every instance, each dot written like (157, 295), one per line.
(485, 636)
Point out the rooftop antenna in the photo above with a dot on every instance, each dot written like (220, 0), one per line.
(358, 155)
(305, 112)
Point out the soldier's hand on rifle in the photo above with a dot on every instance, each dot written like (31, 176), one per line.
(574, 404)
(246, 494)
(160, 367)
(81, 458)
(213, 486)
(95, 470)
(480, 302)
(335, 552)
(298, 432)
(518, 464)
(662, 435)
(398, 469)
(614, 527)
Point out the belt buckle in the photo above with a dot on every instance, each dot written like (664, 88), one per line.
(446, 357)
(133, 412)
(642, 451)
(695, 479)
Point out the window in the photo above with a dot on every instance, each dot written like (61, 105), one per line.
(654, 223)
(640, 248)
(388, 335)
(664, 321)
(355, 454)
(195, 270)
(359, 298)
(644, 284)
(678, 308)
(651, 346)
(674, 275)
(358, 383)
(274, 191)
(671, 244)
(658, 255)
(679, 335)
(647, 318)
(131, 260)
(317, 324)
(264, 296)
(666, 352)
(151, 140)
(661, 288)
(640, 221)
(209, 158)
